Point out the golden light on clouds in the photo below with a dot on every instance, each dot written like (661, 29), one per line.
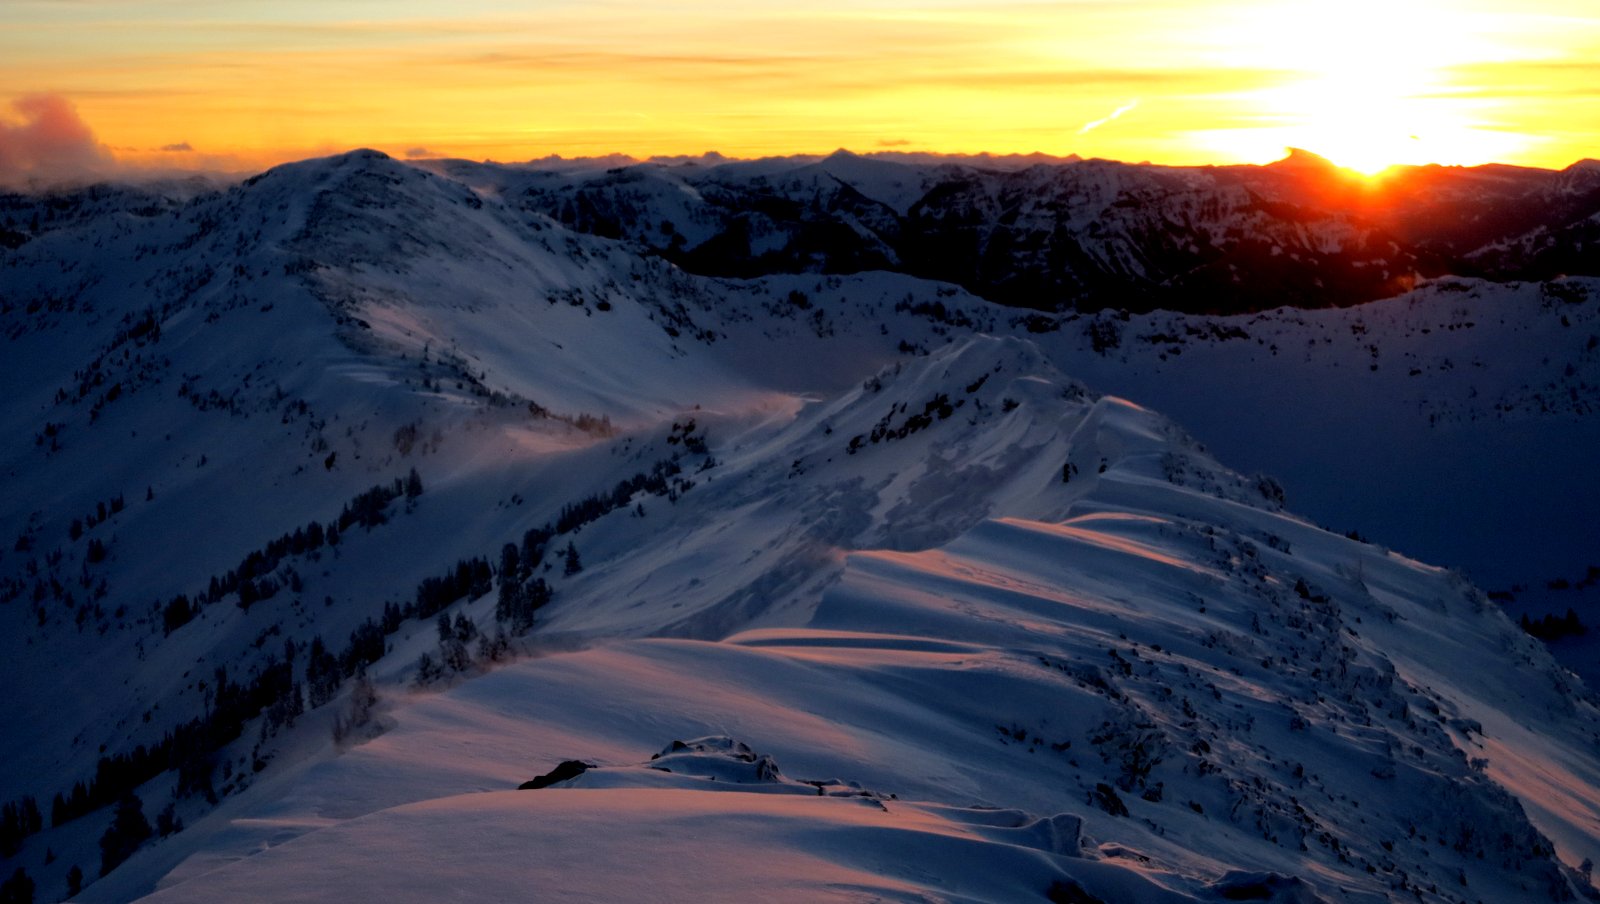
(1365, 83)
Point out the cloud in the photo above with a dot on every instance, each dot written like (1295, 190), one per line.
(180, 147)
(892, 142)
(1115, 114)
(48, 142)
(419, 153)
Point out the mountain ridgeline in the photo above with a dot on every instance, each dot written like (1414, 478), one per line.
(343, 501)
(1094, 234)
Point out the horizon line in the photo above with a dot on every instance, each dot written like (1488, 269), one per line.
(119, 171)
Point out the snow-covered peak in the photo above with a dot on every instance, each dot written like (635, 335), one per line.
(899, 604)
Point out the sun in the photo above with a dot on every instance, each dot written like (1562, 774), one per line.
(1366, 84)
(1359, 121)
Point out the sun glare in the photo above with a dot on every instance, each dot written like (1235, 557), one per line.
(1367, 85)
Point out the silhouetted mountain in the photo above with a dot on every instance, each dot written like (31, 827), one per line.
(1095, 234)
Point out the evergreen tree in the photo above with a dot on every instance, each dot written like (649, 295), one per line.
(533, 543)
(510, 563)
(574, 564)
(509, 603)
(178, 612)
(18, 821)
(168, 821)
(496, 648)
(363, 700)
(428, 671)
(249, 594)
(452, 643)
(1572, 626)
(18, 889)
(74, 880)
(534, 596)
(128, 830)
(322, 674)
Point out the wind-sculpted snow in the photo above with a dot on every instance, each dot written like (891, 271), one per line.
(1144, 682)
(924, 615)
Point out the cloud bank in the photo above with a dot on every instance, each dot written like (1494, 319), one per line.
(46, 141)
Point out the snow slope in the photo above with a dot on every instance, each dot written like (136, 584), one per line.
(1496, 379)
(1166, 690)
(1375, 417)
(894, 545)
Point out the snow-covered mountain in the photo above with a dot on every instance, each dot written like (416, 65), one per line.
(1087, 234)
(343, 501)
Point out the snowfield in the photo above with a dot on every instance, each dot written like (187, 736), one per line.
(841, 587)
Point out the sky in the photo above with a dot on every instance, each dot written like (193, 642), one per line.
(241, 84)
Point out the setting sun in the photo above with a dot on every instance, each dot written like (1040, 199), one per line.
(1369, 84)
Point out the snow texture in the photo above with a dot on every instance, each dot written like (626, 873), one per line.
(912, 615)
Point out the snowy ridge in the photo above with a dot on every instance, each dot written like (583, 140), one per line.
(863, 524)
(1162, 691)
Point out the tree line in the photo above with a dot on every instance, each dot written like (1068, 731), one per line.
(252, 578)
(190, 748)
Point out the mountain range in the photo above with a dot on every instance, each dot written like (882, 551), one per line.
(800, 529)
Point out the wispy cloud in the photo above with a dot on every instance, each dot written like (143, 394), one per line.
(181, 147)
(1115, 114)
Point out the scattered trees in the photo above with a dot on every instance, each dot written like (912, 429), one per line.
(453, 657)
(453, 641)
(471, 578)
(368, 509)
(518, 602)
(253, 578)
(1552, 627)
(190, 748)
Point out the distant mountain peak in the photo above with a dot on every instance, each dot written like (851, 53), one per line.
(1300, 158)
(709, 158)
(357, 157)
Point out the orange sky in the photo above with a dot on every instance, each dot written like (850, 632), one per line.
(243, 83)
